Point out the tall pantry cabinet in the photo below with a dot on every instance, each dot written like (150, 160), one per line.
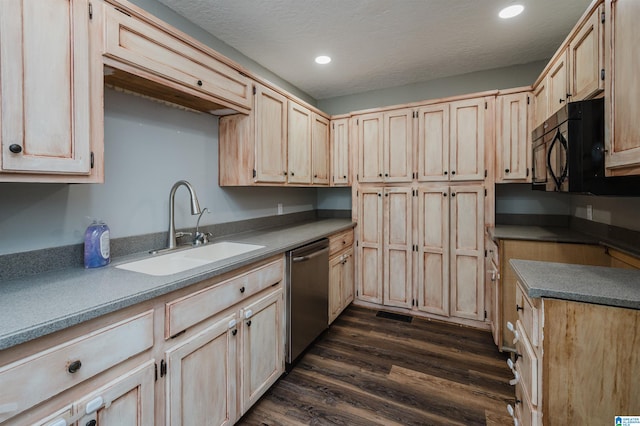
(420, 206)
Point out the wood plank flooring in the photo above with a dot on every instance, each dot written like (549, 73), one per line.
(367, 370)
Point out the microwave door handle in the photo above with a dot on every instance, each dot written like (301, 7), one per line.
(565, 167)
(549, 167)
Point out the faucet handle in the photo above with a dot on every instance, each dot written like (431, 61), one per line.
(183, 234)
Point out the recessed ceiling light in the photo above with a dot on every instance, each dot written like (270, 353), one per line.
(511, 11)
(322, 60)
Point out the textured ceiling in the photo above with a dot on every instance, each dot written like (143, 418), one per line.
(377, 44)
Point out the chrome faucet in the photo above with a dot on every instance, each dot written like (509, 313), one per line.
(201, 237)
(195, 210)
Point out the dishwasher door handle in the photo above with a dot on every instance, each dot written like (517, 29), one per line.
(296, 259)
(301, 259)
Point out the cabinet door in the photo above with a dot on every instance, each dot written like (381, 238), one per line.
(557, 80)
(320, 150)
(467, 252)
(201, 377)
(397, 247)
(513, 142)
(336, 264)
(466, 147)
(45, 82)
(433, 249)
(299, 144)
(371, 141)
(398, 145)
(540, 103)
(270, 135)
(586, 58)
(433, 143)
(340, 152)
(125, 401)
(622, 93)
(262, 347)
(370, 226)
(347, 278)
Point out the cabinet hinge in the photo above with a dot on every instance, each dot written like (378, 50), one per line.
(485, 192)
(90, 11)
(92, 159)
(163, 368)
(254, 90)
(357, 122)
(254, 173)
(527, 172)
(357, 243)
(485, 172)
(356, 194)
(156, 370)
(485, 314)
(602, 74)
(528, 100)
(486, 105)
(485, 253)
(333, 125)
(602, 17)
(357, 293)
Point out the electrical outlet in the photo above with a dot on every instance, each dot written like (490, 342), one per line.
(280, 210)
(589, 212)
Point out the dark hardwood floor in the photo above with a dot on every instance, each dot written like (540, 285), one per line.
(368, 370)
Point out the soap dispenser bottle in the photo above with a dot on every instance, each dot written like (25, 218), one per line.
(97, 251)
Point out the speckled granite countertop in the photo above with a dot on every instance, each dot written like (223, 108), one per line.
(38, 305)
(592, 284)
(540, 233)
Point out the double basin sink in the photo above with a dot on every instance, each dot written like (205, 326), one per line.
(183, 260)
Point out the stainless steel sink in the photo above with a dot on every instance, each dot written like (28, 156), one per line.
(180, 261)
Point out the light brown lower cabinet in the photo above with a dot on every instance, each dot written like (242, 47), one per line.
(340, 283)
(200, 355)
(577, 363)
(420, 248)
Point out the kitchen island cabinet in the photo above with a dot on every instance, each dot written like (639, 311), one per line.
(578, 352)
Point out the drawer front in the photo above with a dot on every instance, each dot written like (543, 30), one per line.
(527, 365)
(189, 310)
(153, 50)
(526, 413)
(341, 241)
(528, 315)
(38, 377)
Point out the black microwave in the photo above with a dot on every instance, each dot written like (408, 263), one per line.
(568, 153)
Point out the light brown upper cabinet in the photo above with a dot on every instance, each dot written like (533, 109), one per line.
(50, 92)
(385, 146)
(253, 148)
(622, 91)
(577, 69)
(586, 57)
(513, 137)
(320, 152)
(299, 144)
(451, 139)
(340, 170)
(145, 55)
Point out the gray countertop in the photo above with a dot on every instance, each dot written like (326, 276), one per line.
(34, 306)
(540, 233)
(592, 284)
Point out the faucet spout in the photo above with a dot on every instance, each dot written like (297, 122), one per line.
(195, 209)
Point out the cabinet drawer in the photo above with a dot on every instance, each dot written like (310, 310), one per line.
(189, 310)
(341, 241)
(526, 413)
(153, 50)
(528, 315)
(38, 377)
(527, 365)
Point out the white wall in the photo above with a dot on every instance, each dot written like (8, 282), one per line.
(148, 147)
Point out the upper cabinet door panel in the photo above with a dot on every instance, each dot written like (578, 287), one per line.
(340, 151)
(466, 148)
(622, 94)
(370, 139)
(151, 49)
(45, 75)
(513, 138)
(299, 144)
(557, 81)
(433, 143)
(398, 145)
(270, 135)
(540, 103)
(320, 150)
(586, 54)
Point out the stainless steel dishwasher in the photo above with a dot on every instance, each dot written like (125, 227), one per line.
(307, 296)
